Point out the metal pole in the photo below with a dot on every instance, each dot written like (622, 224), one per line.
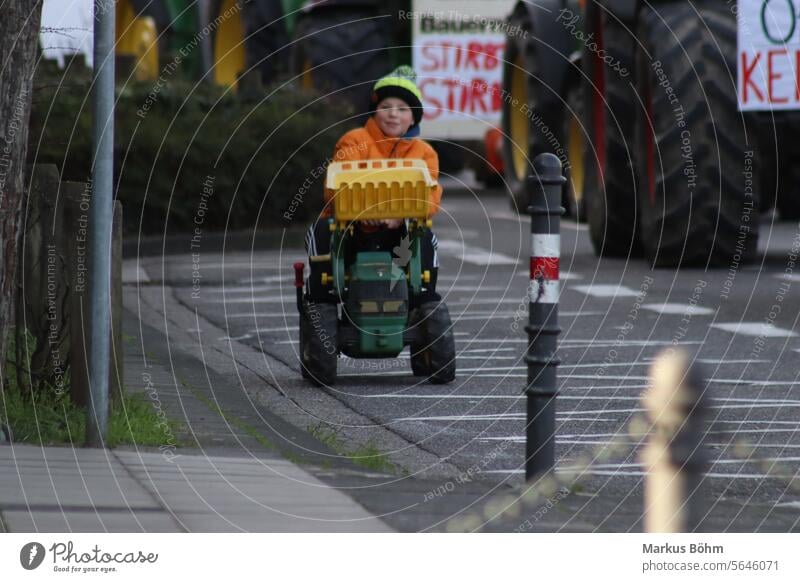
(101, 219)
(544, 190)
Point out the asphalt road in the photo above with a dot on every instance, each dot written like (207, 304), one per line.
(741, 325)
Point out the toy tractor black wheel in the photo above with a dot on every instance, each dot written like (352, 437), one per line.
(303, 345)
(318, 347)
(434, 355)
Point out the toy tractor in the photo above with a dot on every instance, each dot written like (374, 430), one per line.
(373, 308)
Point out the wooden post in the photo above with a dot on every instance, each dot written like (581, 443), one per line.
(77, 221)
(674, 457)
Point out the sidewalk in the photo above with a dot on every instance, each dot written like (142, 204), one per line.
(224, 477)
(61, 489)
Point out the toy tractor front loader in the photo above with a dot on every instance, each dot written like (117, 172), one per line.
(372, 290)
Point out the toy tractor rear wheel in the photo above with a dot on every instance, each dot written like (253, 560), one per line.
(434, 355)
(318, 343)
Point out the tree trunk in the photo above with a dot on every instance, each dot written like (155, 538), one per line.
(19, 35)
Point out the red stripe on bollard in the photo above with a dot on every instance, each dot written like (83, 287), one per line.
(545, 268)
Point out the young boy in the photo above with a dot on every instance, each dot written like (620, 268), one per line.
(390, 132)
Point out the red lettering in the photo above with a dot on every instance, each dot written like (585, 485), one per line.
(773, 76)
(479, 87)
(492, 52)
(451, 85)
(747, 81)
(433, 107)
(497, 93)
(430, 62)
(446, 46)
(797, 76)
(475, 51)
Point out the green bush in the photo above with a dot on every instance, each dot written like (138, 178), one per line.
(259, 152)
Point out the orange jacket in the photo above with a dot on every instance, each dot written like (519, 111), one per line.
(369, 143)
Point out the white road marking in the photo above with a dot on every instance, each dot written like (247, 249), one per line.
(606, 290)
(514, 217)
(288, 298)
(288, 277)
(479, 288)
(235, 339)
(605, 473)
(475, 255)
(133, 273)
(256, 265)
(757, 329)
(789, 504)
(678, 309)
(596, 412)
(785, 277)
(591, 343)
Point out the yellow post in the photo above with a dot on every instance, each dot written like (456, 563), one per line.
(674, 457)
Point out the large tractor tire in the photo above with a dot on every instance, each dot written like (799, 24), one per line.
(696, 206)
(343, 50)
(780, 168)
(788, 197)
(575, 168)
(608, 98)
(266, 40)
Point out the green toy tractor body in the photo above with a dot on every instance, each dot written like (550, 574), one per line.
(371, 291)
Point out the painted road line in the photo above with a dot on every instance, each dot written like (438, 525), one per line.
(606, 473)
(475, 255)
(717, 361)
(787, 277)
(756, 329)
(571, 343)
(514, 217)
(678, 309)
(250, 300)
(133, 273)
(606, 291)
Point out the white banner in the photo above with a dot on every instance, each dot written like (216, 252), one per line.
(768, 54)
(390, 557)
(458, 56)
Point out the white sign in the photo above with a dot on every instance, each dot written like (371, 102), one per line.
(768, 54)
(458, 57)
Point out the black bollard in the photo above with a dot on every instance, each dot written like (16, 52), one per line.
(544, 190)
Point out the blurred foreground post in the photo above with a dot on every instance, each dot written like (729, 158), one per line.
(674, 457)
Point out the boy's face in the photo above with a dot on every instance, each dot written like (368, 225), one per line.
(394, 116)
